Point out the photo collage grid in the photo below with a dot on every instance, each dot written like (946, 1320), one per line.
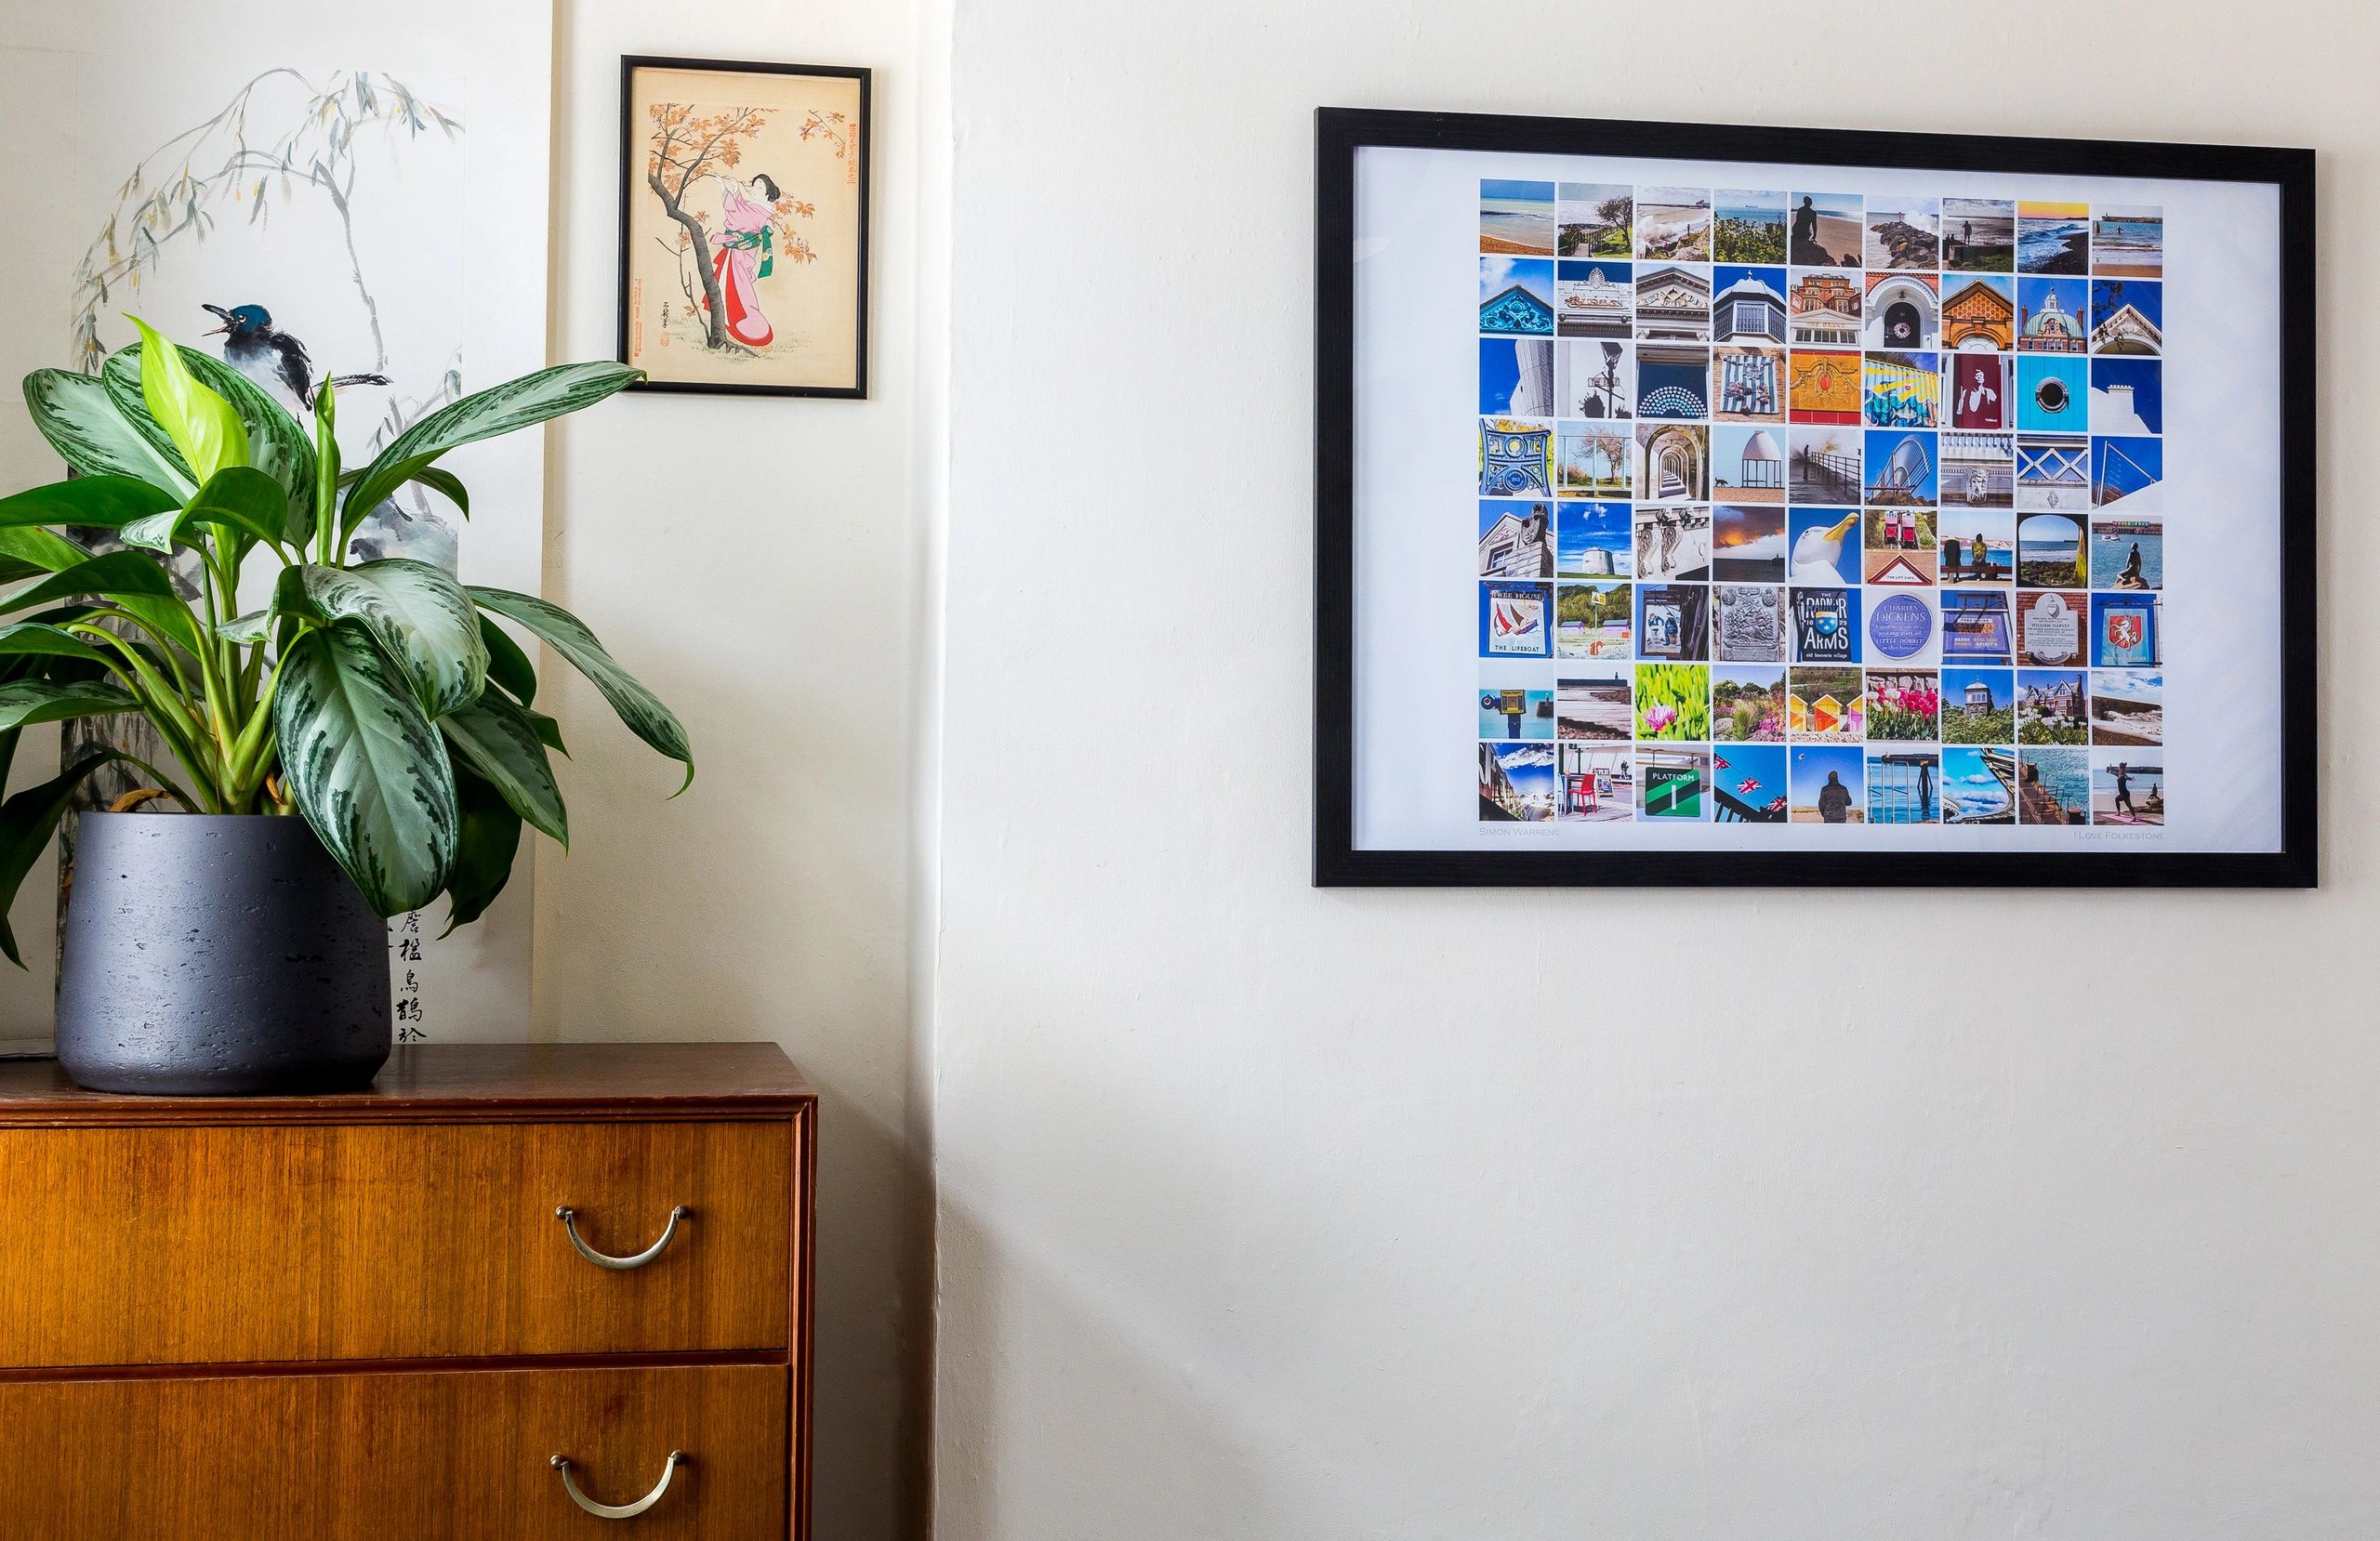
(1805, 506)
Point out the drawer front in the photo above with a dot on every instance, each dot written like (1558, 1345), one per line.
(176, 1246)
(423, 1455)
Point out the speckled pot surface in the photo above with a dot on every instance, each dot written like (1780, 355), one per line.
(217, 955)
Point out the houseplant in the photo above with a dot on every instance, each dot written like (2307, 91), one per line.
(359, 740)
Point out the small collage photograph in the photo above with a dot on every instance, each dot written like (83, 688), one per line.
(1819, 507)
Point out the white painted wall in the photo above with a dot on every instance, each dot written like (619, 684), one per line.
(1271, 1213)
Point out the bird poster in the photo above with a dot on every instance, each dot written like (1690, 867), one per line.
(310, 218)
(743, 237)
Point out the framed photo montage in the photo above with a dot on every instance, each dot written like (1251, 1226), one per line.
(1842, 507)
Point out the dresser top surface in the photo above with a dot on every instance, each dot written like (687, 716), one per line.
(652, 1080)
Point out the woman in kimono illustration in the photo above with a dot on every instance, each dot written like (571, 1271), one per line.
(746, 253)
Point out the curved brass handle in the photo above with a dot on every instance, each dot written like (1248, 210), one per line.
(569, 1218)
(619, 1511)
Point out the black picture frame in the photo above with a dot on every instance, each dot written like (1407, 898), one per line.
(1340, 133)
(630, 157)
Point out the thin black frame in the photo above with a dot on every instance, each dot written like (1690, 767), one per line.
(629, 65)
(1340, 132)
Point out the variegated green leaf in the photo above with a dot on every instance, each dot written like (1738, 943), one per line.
(639, 708)
(239, 499)
(278, 445)
(254, 626)
(204, 427)
(75, 414)
(365, 767)
(416, 612)
(497, 740)
(519, 404)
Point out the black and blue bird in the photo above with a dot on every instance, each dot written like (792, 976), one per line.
(273, 359)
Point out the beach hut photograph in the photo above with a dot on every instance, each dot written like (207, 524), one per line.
(1595, 380)
(2049, 551)
(1593, 298)
(2053, 786)
(1979, 705)
(1748, 784)
(2127, 789)
(2049, 628)
(1673, 224)
(1594, 620)
(2050, 706)
(2053, 393)
(1514, 706)
(2053, 237)
(1904, 786)
(1823, 388)
(1825, 545)
(1594, 218)
(1904, 232)
(1824, 466)
(1748, 544)
(2127, 396)
(1823, 230)
(2127, 707)
(1595, 784)
(1516, 457)
(1747, 465)
(1517, 783)
(2128, 241)
(1516, 296)
(1596, 461)
(1595, 706)
(1749, 625)
(1593, 540)
(2128, 474)
(1748, 703)
(2128, 554)
(1748, 384)
(1825, 703)
(1673, 701)
(1516, 377)
(1673, 785)
(1828, 783)
(1978, 235)
(2127, 317)
(1750, 226)
(1978, 787)
(1516, 219)
(1901, 466)
(1899, 547)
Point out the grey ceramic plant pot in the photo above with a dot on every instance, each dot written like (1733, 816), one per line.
(219, 955)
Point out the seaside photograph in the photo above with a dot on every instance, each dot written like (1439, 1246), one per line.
(1748, 784)
(1747, 704)
(1904, 705)
(1978, 235)
(1750, 626)
(1978, 706)
(2049, 552)
(1598, 784)
(1593, 380)
(1748, 544)
(1594, 460)
(2128, 243)
(2128, 554)
(2124, 790)
(1750, 226)
(1515, 539)
(2127, 706)
(1516, 219)
(1595, 620)
(1747, 465)
(1673, 701)
(2127, 396)
(1672, 784)
(1978, 546)
(1828, 783)
(1513, 708)
(2049, 707)
(1595, 299)
(1904, 232)
(1825, 544)
(2053, 238)
(1904, 786)
(1596, 706)
(1900, 546)
(1824, 702)
(2127, 317)
(2053, 786)
(1673, 224)
(1592, 540)
(1824, 466)
(2128, 474)
(1517, 783)
(1673, 543)
(2049, 630)
(1595, 218)
(1978, 787)
(1516, 377)
(1823, 230)
(1673, 622)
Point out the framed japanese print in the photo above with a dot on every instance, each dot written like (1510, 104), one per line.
(1703, 504)
(744, 227)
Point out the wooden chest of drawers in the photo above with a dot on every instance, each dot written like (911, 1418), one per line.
(509, 1288)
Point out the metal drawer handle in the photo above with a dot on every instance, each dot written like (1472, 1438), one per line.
(569, 1218)
(619, 1511)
